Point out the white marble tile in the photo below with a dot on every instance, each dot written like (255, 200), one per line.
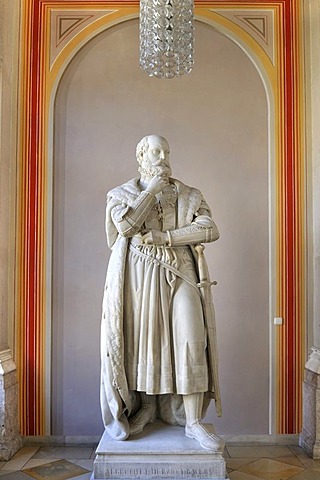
(85, 476)
(39, 461)
(242, 476)
(291, 460)
(260, 451)
(236, 463)
(18, 461)
(298, 451)
(307, 475)
(308, 462)
(85, 440)
(85, 463)
(64, 452)
(16, 476)
(226, 453)
(275, 439)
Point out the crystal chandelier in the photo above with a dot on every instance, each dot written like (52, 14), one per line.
(166, 37)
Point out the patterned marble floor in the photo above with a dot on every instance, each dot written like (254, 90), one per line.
(243, 463)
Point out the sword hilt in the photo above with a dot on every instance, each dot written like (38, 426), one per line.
(205, 283)
(199, 249)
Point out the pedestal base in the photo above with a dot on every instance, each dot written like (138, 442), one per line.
(161, 451)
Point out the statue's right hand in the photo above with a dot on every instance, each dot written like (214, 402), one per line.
(157, 184)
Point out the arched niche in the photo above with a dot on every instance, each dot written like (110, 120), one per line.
(216, 121)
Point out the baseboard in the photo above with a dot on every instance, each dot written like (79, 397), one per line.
(88, 440)
(275, 439)
(61, 440)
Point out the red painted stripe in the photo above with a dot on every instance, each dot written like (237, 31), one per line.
(33, 227)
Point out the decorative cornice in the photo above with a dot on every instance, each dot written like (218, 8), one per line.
(65, 24)
(259, 24)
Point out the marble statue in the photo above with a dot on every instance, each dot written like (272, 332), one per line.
(158, 342)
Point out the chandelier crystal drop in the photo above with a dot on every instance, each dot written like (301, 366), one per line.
(166, 37)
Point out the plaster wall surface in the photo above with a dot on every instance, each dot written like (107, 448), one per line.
(215, 120)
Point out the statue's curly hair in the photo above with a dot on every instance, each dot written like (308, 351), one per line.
(142, 148)
(145, 167)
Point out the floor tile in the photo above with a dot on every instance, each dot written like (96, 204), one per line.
(4, 472)
(242, 476)
(59, 470)
(86, 476)
(15, 476)
(20, 458)
(271, 469)
(2, 464)
(64, 452)
(267, 451)
(236, 463)
(298, 451)
(85, 463)
(291, 460)
(308, 462)
(39, 461)
(307, 475)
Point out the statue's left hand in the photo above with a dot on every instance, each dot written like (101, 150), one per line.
(155, 237)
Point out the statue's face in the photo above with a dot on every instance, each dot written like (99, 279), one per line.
(158, 155)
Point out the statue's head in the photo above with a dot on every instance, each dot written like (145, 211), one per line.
(153, 156)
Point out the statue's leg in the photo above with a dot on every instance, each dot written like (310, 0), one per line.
(146, 414)
(194, 428)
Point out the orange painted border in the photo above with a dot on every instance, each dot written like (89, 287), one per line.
(36, 87)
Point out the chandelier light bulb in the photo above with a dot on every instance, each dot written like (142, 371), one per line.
(166, 37)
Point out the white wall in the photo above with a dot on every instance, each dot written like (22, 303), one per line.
(215, 120)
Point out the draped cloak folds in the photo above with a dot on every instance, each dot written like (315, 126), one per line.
(117, 402)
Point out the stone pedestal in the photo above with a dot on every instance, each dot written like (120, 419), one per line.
(10, 440)
(310, 436)
(161, 451)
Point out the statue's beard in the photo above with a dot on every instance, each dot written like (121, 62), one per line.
(146, 169)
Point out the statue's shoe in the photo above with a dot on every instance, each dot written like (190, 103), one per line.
(146, 414)
(207, 440)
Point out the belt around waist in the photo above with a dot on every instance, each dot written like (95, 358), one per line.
(138, 241)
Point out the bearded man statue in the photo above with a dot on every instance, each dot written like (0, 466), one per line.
(158, 348)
